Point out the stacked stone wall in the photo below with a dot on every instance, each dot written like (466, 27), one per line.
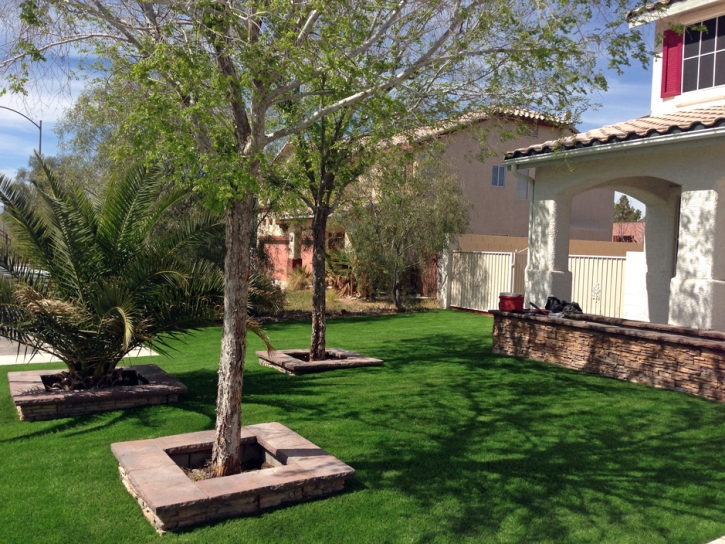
(670, 361)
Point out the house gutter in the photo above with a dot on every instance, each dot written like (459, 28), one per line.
(613, 149)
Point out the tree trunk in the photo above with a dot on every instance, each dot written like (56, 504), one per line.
(319, 232)
(398, 296)
(226, 454)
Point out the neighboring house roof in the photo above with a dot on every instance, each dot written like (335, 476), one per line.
(649, 126)
(628, 232)
(447, 126)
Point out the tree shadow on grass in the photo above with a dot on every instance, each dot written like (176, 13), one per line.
(542, 452)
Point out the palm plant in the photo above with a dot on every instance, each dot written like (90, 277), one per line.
(87, 281)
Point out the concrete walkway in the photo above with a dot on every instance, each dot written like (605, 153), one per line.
(9, 354)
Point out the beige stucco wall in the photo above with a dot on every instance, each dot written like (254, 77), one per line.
(508, 244)
(496, 211)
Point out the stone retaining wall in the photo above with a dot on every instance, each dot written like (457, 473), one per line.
(35, 403)
(658, 355)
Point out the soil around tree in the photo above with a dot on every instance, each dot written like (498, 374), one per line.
(75, 381)
(205, 470)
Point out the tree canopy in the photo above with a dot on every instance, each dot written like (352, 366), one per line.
(209, 78)
(624, 212)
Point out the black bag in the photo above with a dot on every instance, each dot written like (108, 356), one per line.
(556, 306)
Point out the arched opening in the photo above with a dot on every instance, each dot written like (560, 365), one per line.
(556, 218)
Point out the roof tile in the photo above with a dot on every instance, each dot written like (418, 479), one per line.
(643, 127)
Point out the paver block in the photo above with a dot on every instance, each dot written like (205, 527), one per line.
(170, 500)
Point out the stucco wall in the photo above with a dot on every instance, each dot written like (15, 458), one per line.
(496, 211)
(681, 182)
(479, 242)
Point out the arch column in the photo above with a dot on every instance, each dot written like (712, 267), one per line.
(547, 270)
(295, 248)
(660, 250)
(697, 292)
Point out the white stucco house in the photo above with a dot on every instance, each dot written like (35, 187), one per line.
(672, 160)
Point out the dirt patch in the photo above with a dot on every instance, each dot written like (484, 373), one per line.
(74, 381)
(206, 472)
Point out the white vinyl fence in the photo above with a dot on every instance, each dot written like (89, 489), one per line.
(598, 284)
(477, 279)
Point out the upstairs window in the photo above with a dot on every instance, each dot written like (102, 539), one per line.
(703, 64)
(498, 176)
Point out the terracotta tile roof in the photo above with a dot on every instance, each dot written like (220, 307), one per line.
(628, 232)
(643, 127)
(659, 4)
(448, 126)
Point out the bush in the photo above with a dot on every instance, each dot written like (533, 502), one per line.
(299, 279)
(88, 282)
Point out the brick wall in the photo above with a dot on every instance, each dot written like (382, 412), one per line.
(656, 355)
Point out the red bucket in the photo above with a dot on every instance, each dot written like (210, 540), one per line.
(511, 302)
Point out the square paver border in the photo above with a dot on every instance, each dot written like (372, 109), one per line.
(284, 360)
(35, 403)
(170, 500)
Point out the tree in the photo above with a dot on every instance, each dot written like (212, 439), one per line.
(624, 212)
(320, 163)
(213, 73)
(403, 215)
(91, 284)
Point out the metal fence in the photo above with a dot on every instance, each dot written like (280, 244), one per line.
(477, 279)
(598, 284)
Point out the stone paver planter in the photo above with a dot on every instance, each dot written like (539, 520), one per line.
(35, 403)
(289, 361)
(151, 471)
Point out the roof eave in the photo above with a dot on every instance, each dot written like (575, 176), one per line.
(596, 151)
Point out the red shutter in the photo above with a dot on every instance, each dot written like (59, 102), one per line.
(671, 64)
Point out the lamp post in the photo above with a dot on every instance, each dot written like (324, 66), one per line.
(38, 125)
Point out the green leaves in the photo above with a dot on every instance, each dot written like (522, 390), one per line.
(90, 282)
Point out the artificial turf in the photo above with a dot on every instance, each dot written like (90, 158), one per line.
(450, 442)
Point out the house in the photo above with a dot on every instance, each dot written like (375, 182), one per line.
(629, 232)
(671, 160)
(499, 215)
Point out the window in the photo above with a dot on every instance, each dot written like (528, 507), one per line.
(703, 64)
(498, 176)
(522, 186)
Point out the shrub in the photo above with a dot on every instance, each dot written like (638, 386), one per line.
(299, 279)
(88, 282)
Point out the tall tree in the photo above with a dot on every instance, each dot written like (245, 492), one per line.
(624, 212)
(317, 166)
(403, 214)
(212, 73)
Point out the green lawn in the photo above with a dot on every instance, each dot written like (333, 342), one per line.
(450, 443)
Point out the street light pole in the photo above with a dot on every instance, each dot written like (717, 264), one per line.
(38, 125)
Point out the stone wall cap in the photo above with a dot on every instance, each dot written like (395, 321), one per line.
(647, 331)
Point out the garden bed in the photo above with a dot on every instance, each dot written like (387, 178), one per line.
(35, 400)
(153, 472)
(666, 356)
(296, 361)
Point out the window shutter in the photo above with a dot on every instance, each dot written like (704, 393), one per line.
(671, 64)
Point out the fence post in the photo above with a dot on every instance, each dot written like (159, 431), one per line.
(445, 269)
